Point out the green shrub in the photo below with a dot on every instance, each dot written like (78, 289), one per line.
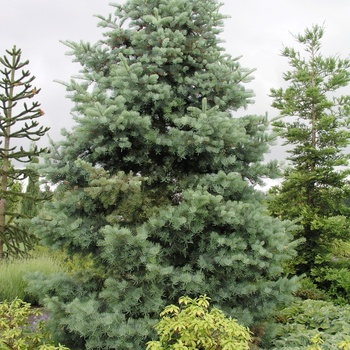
(312, 325)
(12, 273)
(335, 282)
(22, 328)
(309, 290)
(193, 326)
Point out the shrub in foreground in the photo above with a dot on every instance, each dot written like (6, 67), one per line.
(192, 326)
(22, 328)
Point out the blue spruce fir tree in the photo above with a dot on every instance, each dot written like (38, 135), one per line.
(156, 181)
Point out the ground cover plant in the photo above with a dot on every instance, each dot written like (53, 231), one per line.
(156, 182)
(312, 325)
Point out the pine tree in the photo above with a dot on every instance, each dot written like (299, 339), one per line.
(16, 124)
(155, 183)
(313, 122)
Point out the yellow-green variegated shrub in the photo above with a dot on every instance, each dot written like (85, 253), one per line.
(191, 325)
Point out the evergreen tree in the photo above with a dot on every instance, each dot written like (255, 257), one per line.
(155, 183)
(30, 202)
(13, 201)
(16, 124)
(313, 122)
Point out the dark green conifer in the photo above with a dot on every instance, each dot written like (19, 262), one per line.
(156, 181)
(313, 122)
(17, 123)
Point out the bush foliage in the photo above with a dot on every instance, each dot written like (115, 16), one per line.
(192, 326)
(313, 325)
(336, 283)
(23, 328)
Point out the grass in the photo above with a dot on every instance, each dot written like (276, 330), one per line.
(12, 283)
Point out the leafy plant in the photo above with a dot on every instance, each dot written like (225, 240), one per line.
(312, 324)
(192, 326)
(23, 328)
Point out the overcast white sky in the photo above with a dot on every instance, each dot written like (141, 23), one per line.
(257, 30)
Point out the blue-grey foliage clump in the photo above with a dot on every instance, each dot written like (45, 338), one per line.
(155, 183)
